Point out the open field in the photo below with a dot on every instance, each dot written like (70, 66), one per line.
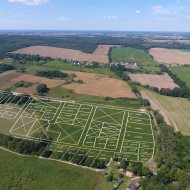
(159, 81)
(170, 56)
(100, 55)
(68, 66)
(99, 131)
(130, 55)
(99, 85)
(7, 79)
(31, 173)
(143, 59)
(183, 73)
(175, 110)
(10, 78)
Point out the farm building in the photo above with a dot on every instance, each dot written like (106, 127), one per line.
(133, 186)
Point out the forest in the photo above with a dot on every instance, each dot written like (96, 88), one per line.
(173, 159)
(86, 44)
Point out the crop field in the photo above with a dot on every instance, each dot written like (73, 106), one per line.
(175, 110)
(183, 73)
(170, 56)
(80, 129)
(99, 85)
(159, 81)
(100, 55)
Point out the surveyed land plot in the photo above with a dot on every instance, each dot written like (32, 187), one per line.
(81, 130)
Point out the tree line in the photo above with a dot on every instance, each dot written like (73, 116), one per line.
(6, 67)
(52, 74)
(173, 159)
(22, 146)
(78, 157)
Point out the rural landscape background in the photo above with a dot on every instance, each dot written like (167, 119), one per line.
(94, 95)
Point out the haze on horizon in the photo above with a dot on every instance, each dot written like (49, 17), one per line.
(115, 15)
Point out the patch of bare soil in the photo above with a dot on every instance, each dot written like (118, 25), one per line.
(170, 56)
(100, 54)
(8, 79)
(159, 81)
(100, 85)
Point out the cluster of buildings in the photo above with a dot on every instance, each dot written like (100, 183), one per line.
(128, 66)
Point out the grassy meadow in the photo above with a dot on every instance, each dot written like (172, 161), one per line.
(138, 56)
(177, 109)
(67, 66)
(27, 173)
(183, 72)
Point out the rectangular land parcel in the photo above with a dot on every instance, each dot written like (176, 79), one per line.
(98, 131)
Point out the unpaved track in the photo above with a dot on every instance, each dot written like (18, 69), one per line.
(157, 106)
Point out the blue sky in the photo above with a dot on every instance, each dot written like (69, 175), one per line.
(126, 15)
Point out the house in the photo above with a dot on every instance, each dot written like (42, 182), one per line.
(118, 182)
(129, 174)
(128, 66)
(133, 186)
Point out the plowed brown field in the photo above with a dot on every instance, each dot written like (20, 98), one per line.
(100, 54)
(170, 56)
(8, 79)
(159, 81)
(100, 85)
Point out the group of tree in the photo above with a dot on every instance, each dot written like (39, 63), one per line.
(78, 157)
(22, 146)
(173, 159)
(14, 99)
(42, 89)
(6, 67)
(24, 59)
(52, 74)
(23, 84)
(178, 81)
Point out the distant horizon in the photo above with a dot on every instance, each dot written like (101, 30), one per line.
(89, 30)
(96, 15)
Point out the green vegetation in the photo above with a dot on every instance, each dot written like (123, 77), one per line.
(52, 74)
(24, 84)
(19, 172)
(41, 88)
(133, 55)
(71, 95)
(68, 66)
(83, 129)
(6, 67)
(177, 109)
(173, 160)
(183, 72)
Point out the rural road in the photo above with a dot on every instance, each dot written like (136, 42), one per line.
(157, 106)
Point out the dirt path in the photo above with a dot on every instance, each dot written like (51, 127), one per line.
(157, 106)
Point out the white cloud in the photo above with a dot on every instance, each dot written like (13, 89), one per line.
(159, 10)
(138, 11)
(29, 2)
(111, 17)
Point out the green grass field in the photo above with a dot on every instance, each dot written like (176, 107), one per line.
(99, 131)
(28, 173)
(183, 73)
(67, 66)
(177, 109)
(136, 56)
